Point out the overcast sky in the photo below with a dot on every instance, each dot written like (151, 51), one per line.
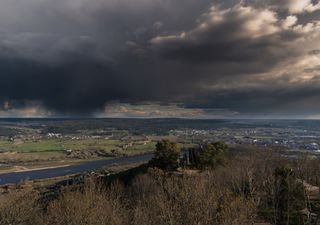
(160, 58)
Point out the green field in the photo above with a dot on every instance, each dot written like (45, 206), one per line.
(27, 149)
(57, 145)
(27, 154)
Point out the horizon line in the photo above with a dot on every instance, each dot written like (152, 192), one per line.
(150, 118)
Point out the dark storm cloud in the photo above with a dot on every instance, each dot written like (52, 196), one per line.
(313, 69)
(229, 38)
(75, 86)
(315, 52)
(75, 56)
(288, 99)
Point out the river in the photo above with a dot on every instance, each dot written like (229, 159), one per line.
(15, 177)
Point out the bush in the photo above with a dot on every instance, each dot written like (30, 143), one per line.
(92, 205)
(20, 209)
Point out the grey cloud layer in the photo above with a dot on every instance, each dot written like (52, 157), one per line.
(74, 56)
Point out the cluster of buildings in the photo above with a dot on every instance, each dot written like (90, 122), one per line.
(289, 138)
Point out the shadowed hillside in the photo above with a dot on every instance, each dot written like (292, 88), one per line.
(247, 187)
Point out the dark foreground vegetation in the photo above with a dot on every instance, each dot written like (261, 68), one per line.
(209, 185)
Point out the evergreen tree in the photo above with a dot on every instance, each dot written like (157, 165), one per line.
(166, 155)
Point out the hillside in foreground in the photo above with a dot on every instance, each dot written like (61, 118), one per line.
(225, 187)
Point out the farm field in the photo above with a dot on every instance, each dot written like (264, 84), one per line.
(24, 147)
(37, 143)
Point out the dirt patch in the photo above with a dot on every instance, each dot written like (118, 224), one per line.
(92, 153)
(7, 153)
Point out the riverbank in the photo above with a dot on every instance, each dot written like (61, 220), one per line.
(15, 177)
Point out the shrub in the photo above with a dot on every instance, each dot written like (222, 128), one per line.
(20, 209)
(92, 205)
